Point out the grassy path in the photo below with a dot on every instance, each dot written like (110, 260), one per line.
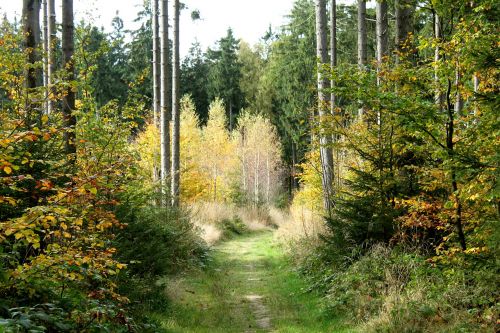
(249, 287)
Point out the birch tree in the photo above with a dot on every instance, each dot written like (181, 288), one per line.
(324, 138)
(68, 48)
(176, 108)
(165, 102)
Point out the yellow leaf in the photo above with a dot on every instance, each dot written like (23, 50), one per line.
(7, 170)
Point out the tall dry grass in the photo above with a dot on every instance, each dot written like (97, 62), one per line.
(297, 224)
(209, 217)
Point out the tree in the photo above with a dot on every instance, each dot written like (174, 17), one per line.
(194, 80)
(165, 100)
(176, 109)
(324, 138)
(225, 75)
(404, 24)
(362, 52)
(51, 47)
(218, 158)
(45, 31)
(68, 48)
(156, 62)
(31, 25)
(333, 47)
(382, 33)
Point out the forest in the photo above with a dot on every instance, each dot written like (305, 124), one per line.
(340, 175)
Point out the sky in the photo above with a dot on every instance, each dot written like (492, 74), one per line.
(249, 19)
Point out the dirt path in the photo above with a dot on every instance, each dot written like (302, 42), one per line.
(248, 288)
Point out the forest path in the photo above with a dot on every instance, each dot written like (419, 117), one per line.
(248, 287)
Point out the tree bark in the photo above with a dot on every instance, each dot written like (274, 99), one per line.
(31, 29)
(450, 145)
(404, 18)
(439, 97)
(362, 53)
(382, 34)
(165, 102)
(68, 47)
(324, 138)
(333, 48)
(156, 62)
(45, 33)
(176, 109)
(51, 43)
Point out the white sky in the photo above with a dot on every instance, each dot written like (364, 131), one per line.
(249, 19)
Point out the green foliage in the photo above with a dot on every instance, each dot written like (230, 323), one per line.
(233, 226)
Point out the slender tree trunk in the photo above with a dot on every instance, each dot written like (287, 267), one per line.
(404, 18)
(68, 47)
(439, 99)
(156, 76)
(165, 101)
(156, 62)
(459, 102)
(256, 179)
(333, 48)
(268, 179)
(31, 29)
(362, 53)
(176, 109)
(324, 139)
(51, 44)
(450, 145)
(475, 81)
(45, 32)
(382, 34)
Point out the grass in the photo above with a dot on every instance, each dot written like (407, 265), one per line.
(214, 300)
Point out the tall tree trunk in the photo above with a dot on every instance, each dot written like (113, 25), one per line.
(324, 139)
(156, 62)
(333, 48)
(362, 53)
(45, 32)
(382, 34)
(450, 145)
(156, 76)
(51, 55)
(404, 18)
(176, 109)
(31, 29)
(68, 47)
(439, 97)
(165, 101)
